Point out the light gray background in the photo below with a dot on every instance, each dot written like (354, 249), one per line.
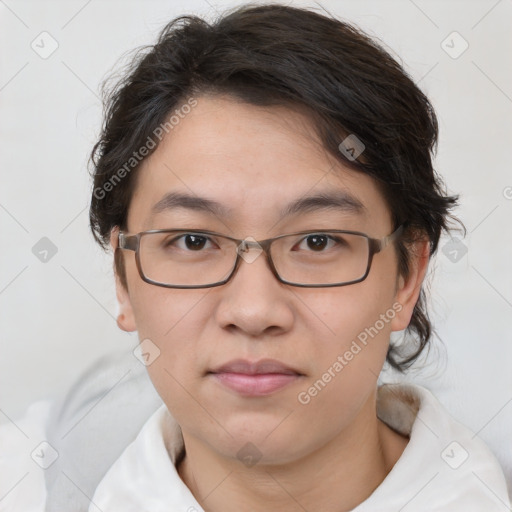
(58, 317)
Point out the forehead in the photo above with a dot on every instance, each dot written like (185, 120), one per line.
(255, 162)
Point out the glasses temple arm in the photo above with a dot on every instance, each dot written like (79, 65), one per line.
(130, 242)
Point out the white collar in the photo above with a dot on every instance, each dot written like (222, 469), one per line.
(430, 475)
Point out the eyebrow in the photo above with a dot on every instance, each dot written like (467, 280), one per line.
(336, 200)
(339, 200)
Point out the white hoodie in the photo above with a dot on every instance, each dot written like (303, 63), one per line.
(443, 468)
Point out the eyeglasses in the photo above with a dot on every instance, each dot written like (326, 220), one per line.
(184, 258)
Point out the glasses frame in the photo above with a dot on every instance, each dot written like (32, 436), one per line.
(131, 242)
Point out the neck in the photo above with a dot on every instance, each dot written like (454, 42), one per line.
(334, 478)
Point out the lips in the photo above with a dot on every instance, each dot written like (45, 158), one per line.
(256, 368)
(257, 378)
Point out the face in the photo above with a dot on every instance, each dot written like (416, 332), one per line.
(255, 162)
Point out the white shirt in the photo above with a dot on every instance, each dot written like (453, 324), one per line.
(444, 467)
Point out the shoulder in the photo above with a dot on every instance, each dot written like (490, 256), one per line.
(444, 466)
(83, 433)
(24, 456)
(92, 425)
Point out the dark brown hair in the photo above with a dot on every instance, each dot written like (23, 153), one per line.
(279, 55)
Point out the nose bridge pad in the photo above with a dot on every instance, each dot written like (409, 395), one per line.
(245, 252)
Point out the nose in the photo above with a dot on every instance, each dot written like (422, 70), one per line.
(254, 301)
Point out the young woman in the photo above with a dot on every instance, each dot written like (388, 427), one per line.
(267, 187)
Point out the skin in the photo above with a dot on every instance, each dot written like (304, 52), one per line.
(327, 455)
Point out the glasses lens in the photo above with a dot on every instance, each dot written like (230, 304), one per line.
(321, 258)
(186, 259)
(200, 259)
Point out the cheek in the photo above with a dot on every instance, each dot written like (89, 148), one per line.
(346, 364)
(172, 320)
(347, 313)
(352, 338)
(160, 313)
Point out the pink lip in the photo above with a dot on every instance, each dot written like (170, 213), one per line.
(257, 378)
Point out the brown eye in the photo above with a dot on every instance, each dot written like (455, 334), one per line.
(188, 242)
(317, 242)
(195, 242)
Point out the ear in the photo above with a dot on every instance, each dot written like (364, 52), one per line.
(125, 317)
(408, 289)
